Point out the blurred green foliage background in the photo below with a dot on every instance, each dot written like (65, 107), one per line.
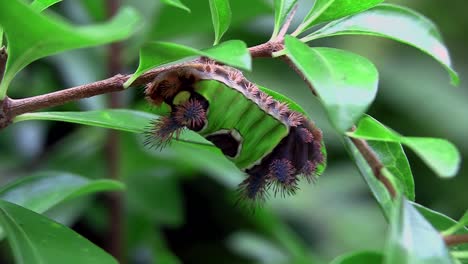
(180, 205)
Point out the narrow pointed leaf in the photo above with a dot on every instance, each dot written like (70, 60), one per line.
(43, 191)
(397, 23)
(41, 5)
(345, 82)
(413, 239)
(462, 223)
(39, 35)
(439, 154)
(176, 3)
(282, 9)
(221, 17)
(361, 257)
(119, 119)
(328, 10)
(37, 239)
(153, 54)
(381, 195)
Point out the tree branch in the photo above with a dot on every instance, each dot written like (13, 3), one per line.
(3, 60)
(453, 240)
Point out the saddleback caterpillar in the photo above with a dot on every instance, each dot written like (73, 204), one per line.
(263, 136)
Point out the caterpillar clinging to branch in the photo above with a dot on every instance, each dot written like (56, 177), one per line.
(270, 142)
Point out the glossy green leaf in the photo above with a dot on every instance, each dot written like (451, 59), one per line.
(443, 223)
(221, 17)
(360, 257)
(379, 191)
(174, 23)
(439, 154)
(1, 37)
(41, 5)
(125, 120)
(394, 159)
(397, 23)
(37, 239)
(328, 10)
(346, 83)
(119, 119)
(153, 54)
(462, 223)
(42, 191)
(413, 239)
(176, 3)
(282, 9)
(39, 36)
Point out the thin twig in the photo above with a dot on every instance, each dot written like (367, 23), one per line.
(453, 240)
(286, 25)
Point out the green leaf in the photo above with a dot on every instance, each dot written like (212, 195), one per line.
(379, 191)
(439, 154)
(462, 223)
(397, 23)
(221, 16)
(37, 239)
(176, 3)
(443, 223)
(119, 119)
(394, 159)
(42, 191)
(360, 257)
(413, 239)
(153, 54)
(345, 82)
(328, 10)
(173, 23)
(39, 36)
(41, 5)
(282, 9)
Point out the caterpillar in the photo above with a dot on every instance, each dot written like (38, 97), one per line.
(264, 137)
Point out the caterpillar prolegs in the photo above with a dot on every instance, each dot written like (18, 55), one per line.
(273, 144)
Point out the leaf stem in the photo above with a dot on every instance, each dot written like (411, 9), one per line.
(286, 25)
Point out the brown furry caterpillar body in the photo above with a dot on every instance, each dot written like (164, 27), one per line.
(263, 136)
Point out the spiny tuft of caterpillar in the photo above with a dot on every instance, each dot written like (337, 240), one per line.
(271, 143)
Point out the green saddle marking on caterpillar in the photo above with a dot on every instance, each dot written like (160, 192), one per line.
(230, 109)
